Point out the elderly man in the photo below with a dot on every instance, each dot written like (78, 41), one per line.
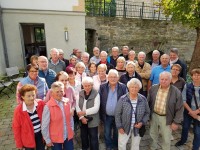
(125, 50)
(154, 78)
(96, 57)
(85, 59)
(174, 59)
(56, 120)
(114, 55)
(155, 59)
(103, 57)
(110, 93)
(45, 72)
(78, 55)
(166, 105)
(54, 62)
(61, 57)
(144, 70)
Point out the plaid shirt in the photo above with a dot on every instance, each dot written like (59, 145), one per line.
(161, 100)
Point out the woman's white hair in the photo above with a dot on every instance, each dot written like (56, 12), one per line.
(87, 80)
(80, 64)
(134, 81)
(113, 71)
(130, 63)
(121, 59)
(103, 66)
(56, 85)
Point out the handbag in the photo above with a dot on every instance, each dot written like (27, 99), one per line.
(142, 131)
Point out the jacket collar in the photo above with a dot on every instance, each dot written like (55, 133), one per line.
(53, 102)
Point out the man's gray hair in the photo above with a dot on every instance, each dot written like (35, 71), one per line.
(85, 54)
(113, 71)
(156, 51)
(142, 53)
(87, 80)
(56, 85)
(116, 48)
(60, 51)
(134, 81)
(54, 49)
(166, 73)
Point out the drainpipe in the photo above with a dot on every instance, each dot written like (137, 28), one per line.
(5, 50)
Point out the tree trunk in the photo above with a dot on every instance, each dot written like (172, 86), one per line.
(195, 61)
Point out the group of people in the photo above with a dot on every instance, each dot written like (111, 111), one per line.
(117, 93)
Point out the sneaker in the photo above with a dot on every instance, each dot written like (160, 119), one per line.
(179, 143)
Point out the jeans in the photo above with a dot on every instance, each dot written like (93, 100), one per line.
(111, 138)
(67, 145)
(196, 130)
(38, 141)
(89, 137)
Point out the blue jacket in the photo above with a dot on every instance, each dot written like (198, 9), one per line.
(123, 113)
(50, 77)
(104, 90)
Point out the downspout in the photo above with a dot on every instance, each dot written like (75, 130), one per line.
(5, 50)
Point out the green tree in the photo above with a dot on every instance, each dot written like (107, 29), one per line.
(187, 12)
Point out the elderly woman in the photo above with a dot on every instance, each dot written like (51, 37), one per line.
(101, 77)
(33, 79)
(80, 71)
(131, 56)
(120, 67)
(191, 115)
(88, 112)
(68, 90)
(92, 69)
(56, 120)
(27, 120)
(131, 113)
(72, 62)
(177, 81)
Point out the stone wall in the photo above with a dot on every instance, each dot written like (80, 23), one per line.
(142, 35)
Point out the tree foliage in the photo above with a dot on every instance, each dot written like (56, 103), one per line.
(185, 11)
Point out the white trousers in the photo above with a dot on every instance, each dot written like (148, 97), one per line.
(123, 140)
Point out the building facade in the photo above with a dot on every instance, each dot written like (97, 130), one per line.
(34, 27)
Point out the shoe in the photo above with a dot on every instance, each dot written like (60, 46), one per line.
(179, 143)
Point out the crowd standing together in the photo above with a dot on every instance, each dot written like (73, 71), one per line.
(115, 96)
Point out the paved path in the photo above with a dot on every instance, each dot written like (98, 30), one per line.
(7, 106)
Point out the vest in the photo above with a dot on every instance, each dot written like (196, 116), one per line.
(89, 104)
(56, 121)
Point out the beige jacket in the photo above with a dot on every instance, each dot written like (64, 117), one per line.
(145, 73)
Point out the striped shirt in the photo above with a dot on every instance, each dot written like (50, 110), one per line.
(134, 104)
(35, 121)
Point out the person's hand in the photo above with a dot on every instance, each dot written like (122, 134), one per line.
(84, 120)
(138, 125)
(121, 131)
(49, 144)
(174, 126)
(72, 112)
(194, 113)
(81, 113)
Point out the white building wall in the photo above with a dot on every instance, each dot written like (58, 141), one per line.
(2, 59)
(59, 5)
(55, 24)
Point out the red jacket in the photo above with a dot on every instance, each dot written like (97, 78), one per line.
(56, 127)
(23, 127)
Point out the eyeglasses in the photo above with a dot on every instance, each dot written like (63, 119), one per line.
(33, 71)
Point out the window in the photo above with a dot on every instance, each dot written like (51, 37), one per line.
(39, 34)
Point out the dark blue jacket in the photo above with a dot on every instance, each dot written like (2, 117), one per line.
(104, 90)
(50, 77)
(189, 93)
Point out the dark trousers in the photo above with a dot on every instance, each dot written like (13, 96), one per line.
(110, 132)
(196, 130)
(39, 142)
(67, 145)
(89, 137)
